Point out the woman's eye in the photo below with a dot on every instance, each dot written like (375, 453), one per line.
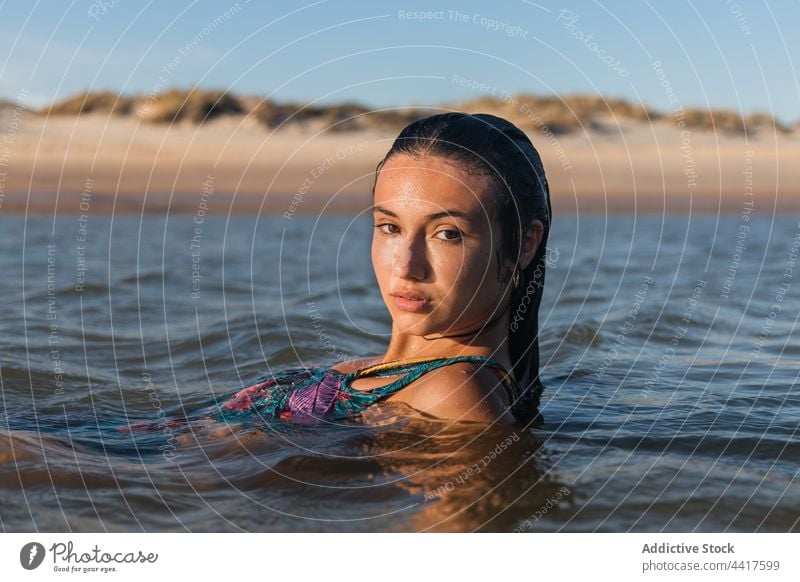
(450, 234)
(386, 228)
(447, 234)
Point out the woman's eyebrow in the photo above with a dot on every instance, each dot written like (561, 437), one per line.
(436, 215)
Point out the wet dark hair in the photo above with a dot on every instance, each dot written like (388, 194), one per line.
(489, 145)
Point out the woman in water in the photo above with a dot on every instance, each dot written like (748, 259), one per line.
(461, 220)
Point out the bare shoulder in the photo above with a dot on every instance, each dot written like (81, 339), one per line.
(350, 366)
(461, 391)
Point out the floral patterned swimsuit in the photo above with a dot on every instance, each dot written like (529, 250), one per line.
(317, 394)
(323, 393)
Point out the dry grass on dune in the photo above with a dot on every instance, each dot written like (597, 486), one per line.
(728, 121)
(198, 106)
(340, 117)
(562, 115)
(195, 105)
(88, 102)
(759, 120)
(705, 119)
(582, 112)
(558, 115)
(6, 104)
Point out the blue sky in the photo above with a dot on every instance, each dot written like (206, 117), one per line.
(721, 54)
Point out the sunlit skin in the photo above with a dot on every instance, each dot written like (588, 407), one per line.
(452, 259)
(435, 235)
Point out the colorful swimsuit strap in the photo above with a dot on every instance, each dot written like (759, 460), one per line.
(416, 367)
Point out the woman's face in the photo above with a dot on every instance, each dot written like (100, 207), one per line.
(433, 246)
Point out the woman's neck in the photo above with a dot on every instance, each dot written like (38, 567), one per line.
(491, 342)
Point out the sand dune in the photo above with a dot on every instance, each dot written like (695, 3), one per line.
(174, 153)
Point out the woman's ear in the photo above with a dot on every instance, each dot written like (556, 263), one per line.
(533, 238)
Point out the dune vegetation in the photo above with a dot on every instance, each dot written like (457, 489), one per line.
(558, 115)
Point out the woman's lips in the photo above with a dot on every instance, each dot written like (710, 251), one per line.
(413, 303)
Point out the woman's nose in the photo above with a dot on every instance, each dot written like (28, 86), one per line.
(409, 260)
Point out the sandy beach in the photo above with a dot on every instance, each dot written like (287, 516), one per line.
(98, 163)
